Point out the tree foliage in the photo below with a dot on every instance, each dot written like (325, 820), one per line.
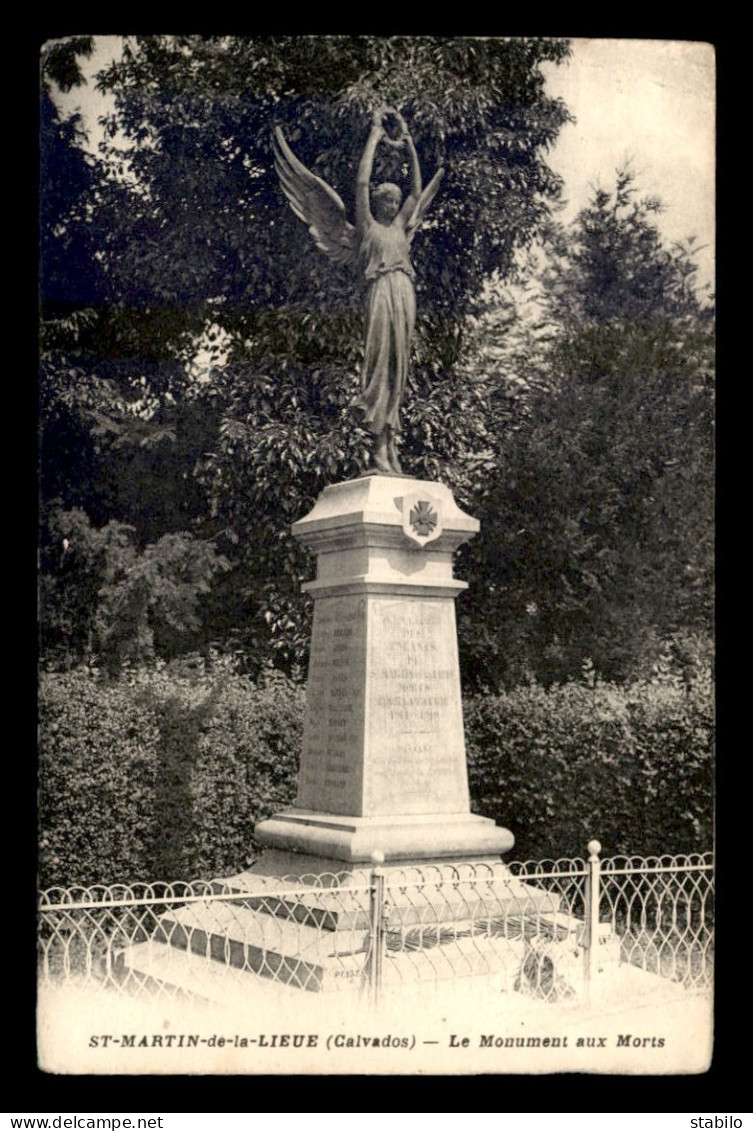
(199, 355)
(103, 596)
(598, 515)
(226, 350)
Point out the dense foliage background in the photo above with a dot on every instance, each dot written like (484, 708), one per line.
(198, 358)
(162, 774)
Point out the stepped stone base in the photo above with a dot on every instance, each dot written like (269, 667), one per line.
(301, 840)
(156, 967)
(319, 939)
(443, 894)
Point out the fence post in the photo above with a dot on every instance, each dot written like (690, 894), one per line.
(591, 925)
(376, 927)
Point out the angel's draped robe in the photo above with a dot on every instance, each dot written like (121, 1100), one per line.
(391, 316)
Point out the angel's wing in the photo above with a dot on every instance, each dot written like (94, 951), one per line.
(422, 204)
(314, 202)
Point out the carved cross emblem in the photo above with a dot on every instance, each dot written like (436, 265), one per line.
(423, 517)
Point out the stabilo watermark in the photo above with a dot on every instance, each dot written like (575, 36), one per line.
(718, 1122)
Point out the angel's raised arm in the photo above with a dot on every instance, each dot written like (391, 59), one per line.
(415, 176)
(363, 177)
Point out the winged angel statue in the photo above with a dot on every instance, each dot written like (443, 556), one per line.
(379, 244)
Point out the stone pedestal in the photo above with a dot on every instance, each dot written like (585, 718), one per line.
(383, 766)
(383, 780)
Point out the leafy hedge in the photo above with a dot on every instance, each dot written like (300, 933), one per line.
(630, 766)
(162, 774)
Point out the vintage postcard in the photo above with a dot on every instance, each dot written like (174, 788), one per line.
(376, 682)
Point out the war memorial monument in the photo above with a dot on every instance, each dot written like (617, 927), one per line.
(383, 781)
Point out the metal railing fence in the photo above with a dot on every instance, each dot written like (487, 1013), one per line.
(553, 929)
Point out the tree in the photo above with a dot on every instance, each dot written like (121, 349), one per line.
(598, 523)
(196, 239)
(102, 597)
(71, 288)
(111, 453)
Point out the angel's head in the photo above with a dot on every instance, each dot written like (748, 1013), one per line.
(385, 202)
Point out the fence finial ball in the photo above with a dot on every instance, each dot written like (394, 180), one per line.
(377, 857)
(594, 847)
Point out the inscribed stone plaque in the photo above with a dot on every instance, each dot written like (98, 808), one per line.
(331, 764)
(415, 751)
